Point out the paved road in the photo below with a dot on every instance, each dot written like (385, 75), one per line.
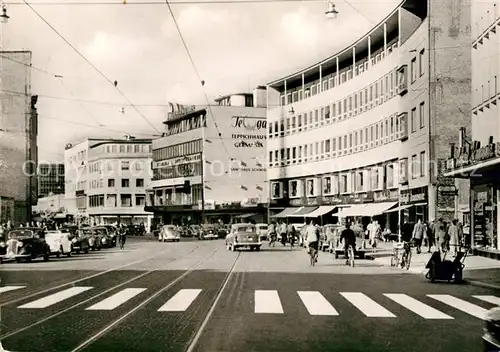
(196, 296)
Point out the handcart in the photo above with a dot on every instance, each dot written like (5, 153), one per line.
(441, 269)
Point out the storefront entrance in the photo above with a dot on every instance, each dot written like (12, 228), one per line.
(484, 233)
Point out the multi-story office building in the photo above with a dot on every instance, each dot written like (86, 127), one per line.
(108, 179)
(368, 126)
(477, 156)
(222, 147)
(18, 138)
(50, 179)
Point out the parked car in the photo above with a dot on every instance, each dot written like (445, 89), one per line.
(58, 242)
(93, 238)
(221, 231)
(79, 241)
(194, 230)
(104, 237)
(491, 334)
(243, 236)
(169, 233)
(208, 232)
(262, 231)
(112, 232)
(25, 243)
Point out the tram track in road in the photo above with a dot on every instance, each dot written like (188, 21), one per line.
(174, 282)
(93, 297)
(88, 277)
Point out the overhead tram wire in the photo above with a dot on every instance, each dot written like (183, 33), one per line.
(92, 65)
(198, 76)
(81, 104)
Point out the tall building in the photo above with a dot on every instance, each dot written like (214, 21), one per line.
(18, 138)
(476, 157)
(211, 161)
(108, 180)
(369, 127)
(50, 179)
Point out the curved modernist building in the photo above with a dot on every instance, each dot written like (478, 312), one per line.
(369, 126)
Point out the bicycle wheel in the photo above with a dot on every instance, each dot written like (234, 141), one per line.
(408, 260)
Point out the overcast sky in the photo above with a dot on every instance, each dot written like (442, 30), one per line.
(234, 46)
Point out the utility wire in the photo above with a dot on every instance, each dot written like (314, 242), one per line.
(91, 64)
(81, 104)
(197, 74)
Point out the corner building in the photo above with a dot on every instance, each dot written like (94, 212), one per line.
(369, 127)
(220, 151)
(476, 157)
(107, 180)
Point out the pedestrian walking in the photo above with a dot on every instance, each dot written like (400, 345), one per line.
(431, 238)
(441, 237)
(418, 235)
(453, 236)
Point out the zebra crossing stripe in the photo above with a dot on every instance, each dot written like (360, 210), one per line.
(181, 301)
(117, 299)
(10, 288)
(490, 299)
(417, 307)
(55, 298)
(366, 305)
(316, 303)
(268, 301)
(461, 305)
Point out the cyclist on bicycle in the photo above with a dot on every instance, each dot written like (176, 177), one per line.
(312, 237)
(348, 237)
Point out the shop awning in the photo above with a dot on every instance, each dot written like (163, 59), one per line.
(322, 210)
(302, 212)
(402, 207)
(371, 209)
(285, 212)
(245, 216)
(471, 170)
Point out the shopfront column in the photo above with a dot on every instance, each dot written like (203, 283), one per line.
(432, 201)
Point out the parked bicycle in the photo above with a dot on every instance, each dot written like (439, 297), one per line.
(401, 255)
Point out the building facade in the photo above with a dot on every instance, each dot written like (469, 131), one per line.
(476, 157)
(370, 126)
(50, 179)
(107, 178)
(55, 207)
(18, 138)
(210, 164)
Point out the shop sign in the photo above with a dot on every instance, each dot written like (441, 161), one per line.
(386, 195)
(489, 151)
(179, 110)
(447, 190)
(412, 198)
(187, 159)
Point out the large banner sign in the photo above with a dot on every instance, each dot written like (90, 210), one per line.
(251, 131)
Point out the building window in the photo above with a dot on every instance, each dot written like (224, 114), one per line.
(421, 62)
(390, 175)
(375, 179)
(413, 120)
(125, 182)
(140, 200)
(422, 114)
(413, 69)
(422, 164)
(343, 184)
(413, 167)
(126, 200)
(125, 165)
(139, 182)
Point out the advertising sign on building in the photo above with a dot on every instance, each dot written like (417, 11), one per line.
(177, 110)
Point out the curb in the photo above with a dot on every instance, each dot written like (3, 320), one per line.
(481, 284)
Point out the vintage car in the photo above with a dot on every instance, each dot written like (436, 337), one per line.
(26, 243)
(79, 242)
(58, 242)
(208, 232)
(194, 230)
(169, 233)
(112, 233)
(104, 236)
(243, 236)
(491, 332)
(93, 238)
(262, 231)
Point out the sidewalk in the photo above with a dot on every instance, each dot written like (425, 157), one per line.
(478, 270)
